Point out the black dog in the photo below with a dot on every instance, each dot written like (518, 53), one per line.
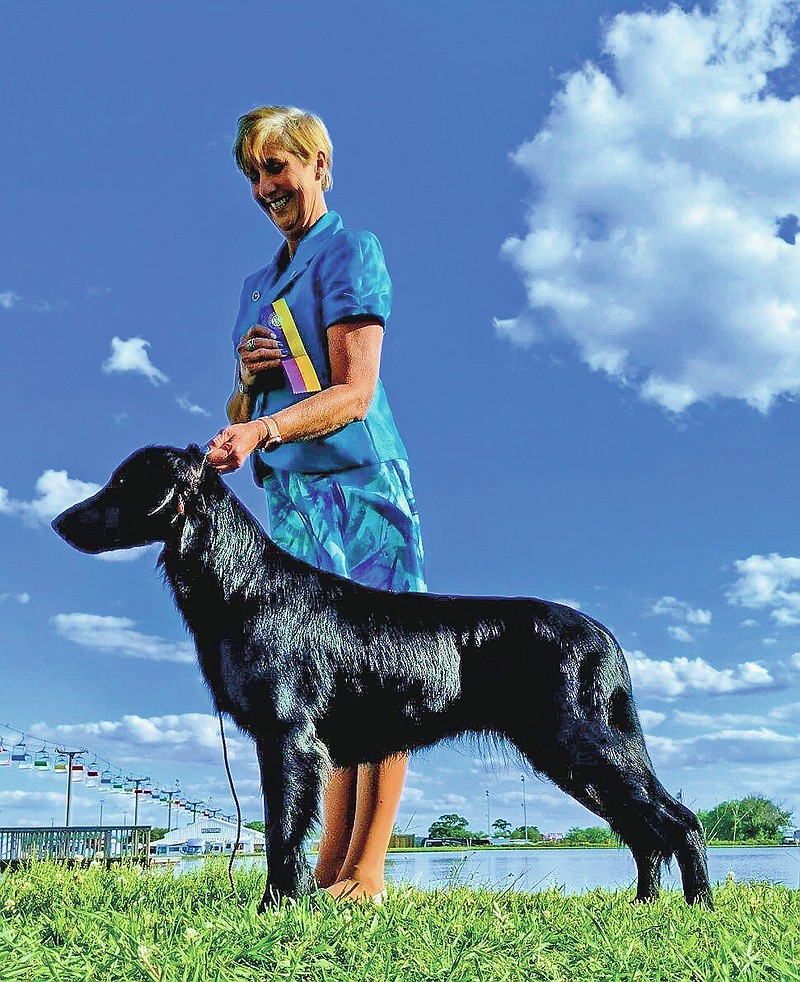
(320, 670)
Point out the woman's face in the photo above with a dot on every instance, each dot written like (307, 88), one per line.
(289, 190)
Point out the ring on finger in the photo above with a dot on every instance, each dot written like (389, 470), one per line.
(251, 344)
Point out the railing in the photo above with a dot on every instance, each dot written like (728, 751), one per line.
(81, 843)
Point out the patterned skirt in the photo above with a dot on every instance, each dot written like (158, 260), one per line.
(361, 523)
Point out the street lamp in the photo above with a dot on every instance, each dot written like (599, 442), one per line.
(488, 822)
(524, 810)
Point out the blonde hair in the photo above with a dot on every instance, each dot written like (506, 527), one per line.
(294, 130)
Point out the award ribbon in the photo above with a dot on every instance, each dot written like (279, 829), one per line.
(296, 364)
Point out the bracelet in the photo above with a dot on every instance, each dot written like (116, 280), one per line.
(271, 435)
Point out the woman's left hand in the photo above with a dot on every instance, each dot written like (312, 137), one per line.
(231, 447)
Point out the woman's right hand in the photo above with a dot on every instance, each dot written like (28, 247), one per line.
(259, 351)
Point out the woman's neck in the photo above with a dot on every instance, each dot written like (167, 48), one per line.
(292, 243)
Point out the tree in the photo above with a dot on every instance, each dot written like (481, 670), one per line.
(534, 835)
(592, 836)
(754, 818)
(449, 827)
(502, 828)
(256, 826)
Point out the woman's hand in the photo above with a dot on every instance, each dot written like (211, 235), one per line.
(258, 352)
(231, 447)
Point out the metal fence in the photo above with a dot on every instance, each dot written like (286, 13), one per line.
(81, 843)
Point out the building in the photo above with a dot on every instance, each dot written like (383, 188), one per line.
(206, 837)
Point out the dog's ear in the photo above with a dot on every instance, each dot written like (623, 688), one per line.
(195, 453)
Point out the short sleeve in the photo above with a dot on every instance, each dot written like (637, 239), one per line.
(353, 279)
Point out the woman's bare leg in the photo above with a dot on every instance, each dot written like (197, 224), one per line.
(378, 792)
(339, 802)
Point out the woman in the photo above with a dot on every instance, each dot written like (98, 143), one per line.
(310, 409)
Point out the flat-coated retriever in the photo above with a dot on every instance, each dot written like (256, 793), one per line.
(319, 670)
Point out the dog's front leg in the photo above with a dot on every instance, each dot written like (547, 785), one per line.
(292, 763)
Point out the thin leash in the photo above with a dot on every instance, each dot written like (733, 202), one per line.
(236, 802)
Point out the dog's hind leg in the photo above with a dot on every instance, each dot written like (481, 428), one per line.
(611, 775)
(292, 762)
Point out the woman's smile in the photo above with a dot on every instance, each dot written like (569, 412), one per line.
(289, 190)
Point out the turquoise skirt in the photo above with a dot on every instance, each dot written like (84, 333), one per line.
(361, 523)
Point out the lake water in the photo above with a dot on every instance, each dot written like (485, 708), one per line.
(578, 870)
(572, 870)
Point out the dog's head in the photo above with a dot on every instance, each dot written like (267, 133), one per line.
(142, 502)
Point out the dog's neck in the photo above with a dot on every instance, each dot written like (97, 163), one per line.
(211, 553)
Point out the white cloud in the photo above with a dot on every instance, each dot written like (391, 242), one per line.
(131, 356)
(652, 243)
(21, 598)
(650, 719)
(682, 611)
(733, 746)
(191, 407)
(679, 633)
(519, 330)
(9, 299)
(681, 676)
(55, 491)
(116, 636)
(765, 583)
(796, 660)
(186, 737)
(720, 721)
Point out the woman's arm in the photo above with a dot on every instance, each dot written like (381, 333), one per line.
(254, 365)
(354, 349)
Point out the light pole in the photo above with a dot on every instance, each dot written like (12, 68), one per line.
(524, 810)
(137, 782)
(169, 795)
(488, 823)
(70, 755)
(101, 813)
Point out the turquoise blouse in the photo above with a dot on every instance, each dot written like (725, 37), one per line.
(336, 274)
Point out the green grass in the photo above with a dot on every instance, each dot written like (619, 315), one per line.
(126, 924)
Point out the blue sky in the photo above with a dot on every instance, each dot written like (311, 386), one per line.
(593, 357)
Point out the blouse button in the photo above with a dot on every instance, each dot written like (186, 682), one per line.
(256, 295)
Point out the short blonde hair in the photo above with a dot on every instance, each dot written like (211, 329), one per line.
(295, 130)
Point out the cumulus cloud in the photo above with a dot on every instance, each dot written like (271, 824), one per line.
(720, 721)
(55, 491)
(186, 736)
(9, 299)
(769, 583)
(682, 676)
(117, 636)
(21, 598)
(191, 407)
(131, 356)
(680, 610)
(661, 239)
(733, 746)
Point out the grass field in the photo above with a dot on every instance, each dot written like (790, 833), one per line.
(126, 924)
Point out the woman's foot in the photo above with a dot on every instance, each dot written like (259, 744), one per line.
(354, 890)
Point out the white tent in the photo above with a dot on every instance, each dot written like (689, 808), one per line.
(206, 836)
